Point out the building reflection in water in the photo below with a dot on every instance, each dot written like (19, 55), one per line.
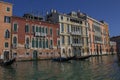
(94, 68)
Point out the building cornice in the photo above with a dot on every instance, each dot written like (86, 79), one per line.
(6, 2)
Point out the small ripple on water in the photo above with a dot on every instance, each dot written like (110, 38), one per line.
(96, 68)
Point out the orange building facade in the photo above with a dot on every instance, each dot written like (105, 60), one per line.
(99, 43)
(5, 29)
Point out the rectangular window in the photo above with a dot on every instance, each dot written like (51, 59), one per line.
(40, 44)
(37, 29)
(15, 27)
(68, 29)
(46, 30)
(61, 17)
(37, 43)
(58, 33)
(68, 40)
(26, 28)
(33, 42)
(33, 29)
(63, 40)
(58, 42)
(6, 45)
(67, 19)
(62, 27)
(51, 31)
(43, 43)
(7, 19)
(51, 42)
(82, 41)
(43, 30)
(8, 9)
(46, 43)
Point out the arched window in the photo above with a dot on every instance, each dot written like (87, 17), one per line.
(69, 51)
(37, 43)
(15, 27)
(63, 50)
(27, 41)
(40, 44)
(14, 40)
(33, 42)
(26, 28)
(46, 43)
(7, 34)
(43, 43)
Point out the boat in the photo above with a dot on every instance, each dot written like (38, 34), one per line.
(62, 59)
(7, 63)
(81, 57)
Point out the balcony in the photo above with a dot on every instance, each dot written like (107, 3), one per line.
(37, 34)
(27, 46)
(14, 46)
(75, 33)
(99, 42)
(58, 46)
(43, 34)
(76, 44)
(50, 47)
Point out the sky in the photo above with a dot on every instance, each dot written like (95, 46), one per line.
(107, 10)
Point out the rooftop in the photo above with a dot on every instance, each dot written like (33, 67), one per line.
(1, 1)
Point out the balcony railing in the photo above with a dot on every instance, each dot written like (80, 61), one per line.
(100, 42)
(75, 33)
(27, 46)
(58, 46)
(50, 47)
(76, 44)
(37, 34)
(14, 46)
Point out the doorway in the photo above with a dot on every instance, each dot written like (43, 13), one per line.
(35, 55)
(6, 55)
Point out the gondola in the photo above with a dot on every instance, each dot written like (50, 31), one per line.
(81, 57)
(62, 59)
(7, 63)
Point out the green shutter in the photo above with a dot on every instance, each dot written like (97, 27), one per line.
(46, 30)
(51, 43)
(15, 27)
(33, 28)
(36, 42)
(43, 29)
(8, 9)
(47, 43)
(40, 29)
(59, 42)
(33, 42)
(6, 44)
(43, 43)
(26, 28)
(37, 29)
(40, 44)
(50, 31)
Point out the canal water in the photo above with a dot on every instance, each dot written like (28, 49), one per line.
(94, 68)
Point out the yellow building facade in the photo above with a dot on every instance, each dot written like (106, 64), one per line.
(73, 33)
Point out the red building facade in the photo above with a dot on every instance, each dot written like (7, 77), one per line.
(34, 39)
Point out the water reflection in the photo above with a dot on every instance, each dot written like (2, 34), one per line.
(8, 70)
(95, 68)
